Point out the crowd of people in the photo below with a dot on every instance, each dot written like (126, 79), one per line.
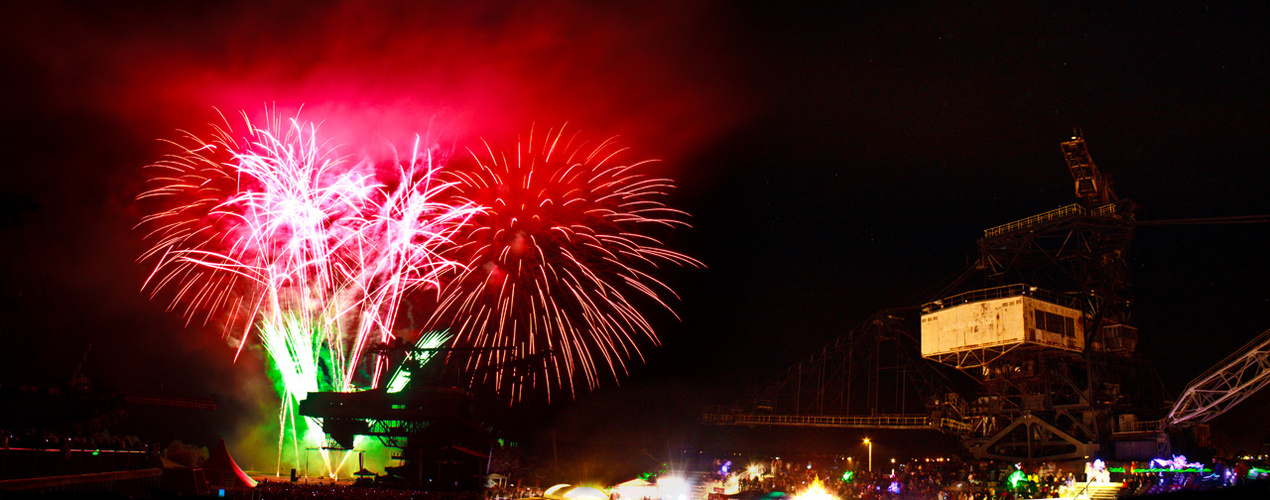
(281, 490)
(941, 480)
(985, 480)
(511, 492)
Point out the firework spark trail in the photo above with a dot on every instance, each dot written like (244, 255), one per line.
(297, 353)
(286, 225)
(256, 242)
(255, 235)
(552, 263)
(310, 250)
(426, 349)
(404, 237)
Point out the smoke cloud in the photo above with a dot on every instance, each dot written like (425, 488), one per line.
(380, 73)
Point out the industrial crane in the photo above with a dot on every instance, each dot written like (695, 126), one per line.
(1048, 346)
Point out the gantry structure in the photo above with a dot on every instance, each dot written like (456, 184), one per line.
(872, 377)
(1033, 360)
(1050, 339)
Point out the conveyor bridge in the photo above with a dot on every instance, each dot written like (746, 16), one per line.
(841, 421)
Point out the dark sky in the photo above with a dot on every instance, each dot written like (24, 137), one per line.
(837, 159)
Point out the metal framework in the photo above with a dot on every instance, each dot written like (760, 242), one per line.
(1081, 253)
(843, 383)
(842, 421)
(1224, 385)
(1012, 400)
(976, 358)
(394, 433)
(1091, 187)
(1018, 399)
(1026, 402)
(1043, 403)
(1029, 437)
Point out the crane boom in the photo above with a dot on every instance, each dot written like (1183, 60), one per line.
(1226, 384)
(1092, 187)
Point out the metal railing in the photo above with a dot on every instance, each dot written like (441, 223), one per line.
(1055, 214)
(1084, 490)
(1104, 211)
(1141, 426)
(1014, 290)
(872, 422)
(955, 425)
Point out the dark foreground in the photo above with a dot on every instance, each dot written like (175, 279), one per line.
(1256, 490)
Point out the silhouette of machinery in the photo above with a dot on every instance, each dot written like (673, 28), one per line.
(1035, 363)
(432, 421)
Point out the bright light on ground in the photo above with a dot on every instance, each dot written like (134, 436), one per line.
(815, 492)
(672, 488)
(585, 493)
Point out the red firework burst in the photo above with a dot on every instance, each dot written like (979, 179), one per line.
(566, 241)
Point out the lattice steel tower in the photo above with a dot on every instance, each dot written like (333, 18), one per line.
(1045, 339)
(1051, 338)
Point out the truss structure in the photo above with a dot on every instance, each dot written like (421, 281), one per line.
(1029, 437)
(874, 372)
(1077, 250)
(975, 358)
(843, 421)
(1016, 400)
(1225, 384)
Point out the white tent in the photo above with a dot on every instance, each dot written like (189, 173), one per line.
(636, 489)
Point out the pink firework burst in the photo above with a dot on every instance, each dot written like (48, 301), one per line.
(277, 226)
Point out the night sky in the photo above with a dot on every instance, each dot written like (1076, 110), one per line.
(836, 159)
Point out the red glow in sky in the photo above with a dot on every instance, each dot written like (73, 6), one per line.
(376, 74)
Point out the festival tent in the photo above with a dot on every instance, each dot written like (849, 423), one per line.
(636, 488)
(168, 464)
(222, 472)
